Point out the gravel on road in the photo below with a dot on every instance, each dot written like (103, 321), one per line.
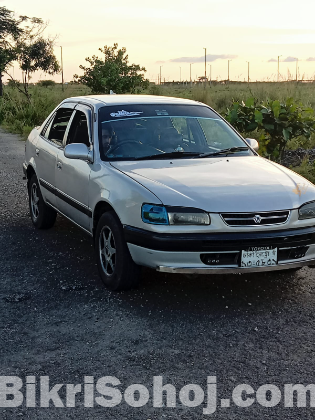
(58, 320)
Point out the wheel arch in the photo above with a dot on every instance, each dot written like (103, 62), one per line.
(30, 171)
(101, 208)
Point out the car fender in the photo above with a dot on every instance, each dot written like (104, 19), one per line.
(121, 192)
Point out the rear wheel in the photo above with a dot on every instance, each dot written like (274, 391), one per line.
(43, 217)
(116, 267)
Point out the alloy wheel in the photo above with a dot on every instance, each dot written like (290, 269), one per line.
(34, 201)
(107, 250)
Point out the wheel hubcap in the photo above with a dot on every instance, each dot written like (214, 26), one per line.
(34, 201)
(107, 249)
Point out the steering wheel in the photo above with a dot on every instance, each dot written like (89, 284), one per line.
(123, 142)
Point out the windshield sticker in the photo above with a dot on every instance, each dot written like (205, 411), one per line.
(161, 112)
(123, 113)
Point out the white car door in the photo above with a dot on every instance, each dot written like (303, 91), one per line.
(73, 175)
(47, 148)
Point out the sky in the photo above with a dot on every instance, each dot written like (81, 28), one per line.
(168, 35)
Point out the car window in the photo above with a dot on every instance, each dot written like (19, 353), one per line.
(59, 125)
(217, 133)
(79, 132)
(138, 131)
(47, 126)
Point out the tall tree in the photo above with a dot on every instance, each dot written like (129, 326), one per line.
(10, 31)
(22, 40)
(112, 72)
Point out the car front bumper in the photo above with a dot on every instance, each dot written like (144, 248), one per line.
(194, 253)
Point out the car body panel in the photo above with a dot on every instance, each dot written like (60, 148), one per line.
(239, 184)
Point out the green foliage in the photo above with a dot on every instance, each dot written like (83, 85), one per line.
(22, 39)
(306, 169)
(278, 122)
(19, 115)
(46, 83)
(112, 72)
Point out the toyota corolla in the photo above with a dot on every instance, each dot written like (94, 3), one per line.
(166, 183)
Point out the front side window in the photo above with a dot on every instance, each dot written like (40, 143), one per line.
(135, 132)
(79, 132)
(59, 125)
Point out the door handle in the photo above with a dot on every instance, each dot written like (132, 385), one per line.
(37, 152)
(59, 165)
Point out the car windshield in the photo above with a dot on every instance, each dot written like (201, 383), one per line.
(131, 132)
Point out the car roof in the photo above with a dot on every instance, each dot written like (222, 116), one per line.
(101, 100)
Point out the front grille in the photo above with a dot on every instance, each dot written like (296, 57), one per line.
(256, 219)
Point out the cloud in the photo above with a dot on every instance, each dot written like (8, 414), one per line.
(272, 60)
(210, 57)
(310, 59)
(289, 60)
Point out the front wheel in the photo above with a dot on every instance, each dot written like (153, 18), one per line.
(116, 267)
(43, 217)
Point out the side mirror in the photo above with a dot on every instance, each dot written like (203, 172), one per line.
(78, 151)
(253, 144)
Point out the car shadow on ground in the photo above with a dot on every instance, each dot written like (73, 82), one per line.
(68, 254)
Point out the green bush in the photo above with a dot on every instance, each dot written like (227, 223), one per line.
(306, 169)
(278, 123)
(46, 83)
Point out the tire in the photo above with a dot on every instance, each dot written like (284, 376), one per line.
(43, 217)
(117, 269)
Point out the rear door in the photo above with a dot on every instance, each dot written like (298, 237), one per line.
(47, 148)
(73, 175)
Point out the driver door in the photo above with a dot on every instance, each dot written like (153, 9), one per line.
(73, 175)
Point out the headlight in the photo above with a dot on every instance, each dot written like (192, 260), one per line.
(187, 216)
(307, 211)
(159, 215)
(156, 215)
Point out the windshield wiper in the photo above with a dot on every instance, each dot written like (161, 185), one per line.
(224, 151)
(168, 155)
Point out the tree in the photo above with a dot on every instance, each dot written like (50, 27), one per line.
(34, 52)
(9, 32)
(22, 40)
(112, 73)
(46, 83)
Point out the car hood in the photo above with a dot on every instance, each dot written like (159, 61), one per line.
(239, 184)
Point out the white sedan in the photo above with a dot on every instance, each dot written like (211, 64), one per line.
(168, 184)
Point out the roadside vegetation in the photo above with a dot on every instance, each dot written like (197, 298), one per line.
(279, 115)
(240, 103)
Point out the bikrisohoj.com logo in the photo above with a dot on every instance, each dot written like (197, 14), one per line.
(108, 392)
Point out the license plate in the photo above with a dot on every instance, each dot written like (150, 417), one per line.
(263, 256)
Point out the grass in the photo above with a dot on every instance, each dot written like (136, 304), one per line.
(221, 96)
(20, 116)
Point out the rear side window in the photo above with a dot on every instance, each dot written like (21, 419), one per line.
(59, 125)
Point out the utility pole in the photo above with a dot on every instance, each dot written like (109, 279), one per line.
(180, 74)
(297, 69)
(229, 70)
(190, 74)
(279, 67)
(205, 64)
(61, 70)
(161, 75)
(247, 71)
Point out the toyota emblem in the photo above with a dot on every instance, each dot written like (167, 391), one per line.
(257, 219)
